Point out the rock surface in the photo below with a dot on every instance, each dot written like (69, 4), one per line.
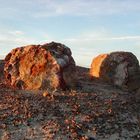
(118, 68)
(40, 67)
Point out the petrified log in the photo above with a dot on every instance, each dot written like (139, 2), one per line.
(118, 68)
(48, 66)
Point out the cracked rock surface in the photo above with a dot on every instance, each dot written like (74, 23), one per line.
(49, 66)
(118, 68)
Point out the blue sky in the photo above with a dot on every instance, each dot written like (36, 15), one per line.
(88, 27)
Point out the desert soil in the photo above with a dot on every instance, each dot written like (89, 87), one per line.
(93, 110)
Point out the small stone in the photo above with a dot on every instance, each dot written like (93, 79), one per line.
(45, 94)
(3, 126)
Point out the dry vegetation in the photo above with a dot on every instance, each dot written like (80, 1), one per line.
(93, 110)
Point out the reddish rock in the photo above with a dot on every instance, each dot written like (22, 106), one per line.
(48, 66)
(118, 68)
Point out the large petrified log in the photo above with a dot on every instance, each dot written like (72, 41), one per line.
(118, 68)
(48, 66)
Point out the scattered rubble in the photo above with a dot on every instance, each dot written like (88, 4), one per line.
(92, 111)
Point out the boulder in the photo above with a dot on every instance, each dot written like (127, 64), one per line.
(48, 66)
(118, 68)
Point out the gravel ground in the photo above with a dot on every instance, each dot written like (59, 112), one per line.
(92, 111)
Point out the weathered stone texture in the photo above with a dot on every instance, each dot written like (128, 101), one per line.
(40, 67)
(118, 68)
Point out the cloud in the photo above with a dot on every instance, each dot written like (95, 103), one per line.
(101, 42)
(16, 32)
(103, 38)
(10, 39)
(99, 36)
(87, 8)
(51, 8)
(14, 37)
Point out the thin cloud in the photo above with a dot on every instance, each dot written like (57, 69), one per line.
(87, 8)
(12, 39)
(16, 32)
(103, 38)
(123, 38)
(51, 8)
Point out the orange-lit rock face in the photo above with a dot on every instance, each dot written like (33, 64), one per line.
(1, 70)
(96, 65)
(38, 67)
(118, 68)
(32, 67)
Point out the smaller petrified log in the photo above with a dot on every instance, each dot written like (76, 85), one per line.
(118, 68)
(40, 67)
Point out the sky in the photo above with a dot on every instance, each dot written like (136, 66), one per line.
(87, 27)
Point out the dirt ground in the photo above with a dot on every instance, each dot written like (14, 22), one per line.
(92, 111)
